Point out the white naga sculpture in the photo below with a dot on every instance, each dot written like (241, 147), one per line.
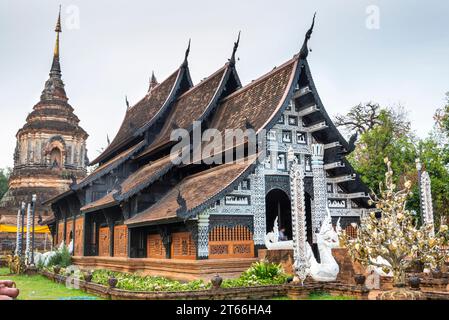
(45, 257)
(327, 239)
(272, 239)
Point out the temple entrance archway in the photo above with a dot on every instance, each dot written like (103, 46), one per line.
(277, 204)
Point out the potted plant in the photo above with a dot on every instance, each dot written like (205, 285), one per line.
(414, 282)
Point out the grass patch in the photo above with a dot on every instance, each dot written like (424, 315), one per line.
(38, 287)
(322, 295)
(4, 271)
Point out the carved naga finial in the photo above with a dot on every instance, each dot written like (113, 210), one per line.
(182, 204)
(127, 102)
(305, 50)
(185, 63)
(234, 50)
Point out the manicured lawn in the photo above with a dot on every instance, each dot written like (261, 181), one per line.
(40, 288)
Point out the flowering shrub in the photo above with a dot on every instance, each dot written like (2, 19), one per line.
(394, 237)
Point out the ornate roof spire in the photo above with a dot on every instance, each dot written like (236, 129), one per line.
(185, 63)
(234, 50)
(54, 87)
(153, 82)
(127, 102)
(305, 50)
(55, 67)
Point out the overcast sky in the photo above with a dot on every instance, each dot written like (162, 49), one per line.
(385, 51)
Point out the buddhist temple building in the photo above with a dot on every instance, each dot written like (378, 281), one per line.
(140, 210)
(50, 155)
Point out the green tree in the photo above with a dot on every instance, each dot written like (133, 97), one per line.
(434, 157)
(4, 176)
(390, 136)
(442, 116)
(385, 139)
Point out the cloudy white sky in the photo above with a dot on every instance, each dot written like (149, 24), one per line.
(109, 48)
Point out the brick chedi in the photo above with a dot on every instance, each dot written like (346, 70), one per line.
(50, 152)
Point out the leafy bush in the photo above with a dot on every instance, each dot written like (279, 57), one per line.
(258, 274)
(61, 258)
(135, 282)
(264, 270)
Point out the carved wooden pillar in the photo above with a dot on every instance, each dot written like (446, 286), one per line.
(72, 209)
(300, 264)
(86, 236)
(164, 232)
(110, 222)
(258, 194)
(319, 188)
(64, 236)
(203, 235)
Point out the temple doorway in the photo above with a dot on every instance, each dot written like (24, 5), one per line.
(277, 204)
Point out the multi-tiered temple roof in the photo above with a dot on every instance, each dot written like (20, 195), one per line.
(220, 102)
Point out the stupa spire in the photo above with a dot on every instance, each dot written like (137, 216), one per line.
(54, 87)
(56, 67)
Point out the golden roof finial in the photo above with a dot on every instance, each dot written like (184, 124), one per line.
(58, 29)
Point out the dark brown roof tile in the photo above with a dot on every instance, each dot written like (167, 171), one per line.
(197, 190)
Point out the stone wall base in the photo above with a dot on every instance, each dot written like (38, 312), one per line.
(8, 242)
(282, 257)
(184, 270)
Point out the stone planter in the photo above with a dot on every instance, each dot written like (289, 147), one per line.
(56, 269)
(88, 277)
(360, 279)
(414, 282)
(216, 282)
(436, 273)
(112, 281)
